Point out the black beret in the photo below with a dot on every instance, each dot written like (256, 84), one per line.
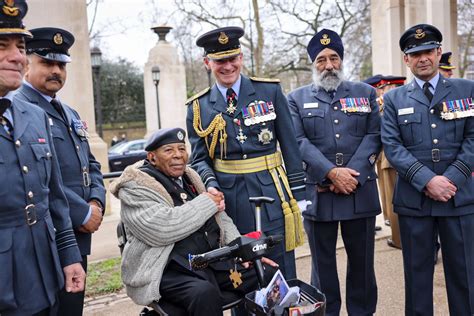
(11, 15)
(379, 81)
(420, 37)
(445, 61)
(222, 42)
(50, 43)
(325, 39)
(165, 136)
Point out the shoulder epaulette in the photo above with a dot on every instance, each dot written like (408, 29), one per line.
(274, 80)
(197, 95)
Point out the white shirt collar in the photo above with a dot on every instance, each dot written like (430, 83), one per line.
(433, 82)
(46, 97)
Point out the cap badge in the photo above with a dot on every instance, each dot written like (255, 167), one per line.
(223, 38)
(325, 40)
(58, 39)
(419, 34)
(9, 8)
(180, 135)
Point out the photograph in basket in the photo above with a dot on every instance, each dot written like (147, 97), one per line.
(275, 291)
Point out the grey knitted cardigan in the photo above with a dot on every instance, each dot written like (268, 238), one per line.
(153, 225)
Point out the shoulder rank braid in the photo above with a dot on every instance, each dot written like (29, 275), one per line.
(216, 128)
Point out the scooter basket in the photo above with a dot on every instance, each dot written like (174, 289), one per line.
(308, 294)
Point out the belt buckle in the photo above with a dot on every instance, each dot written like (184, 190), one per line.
(30, 214)
(86, 179)
(435, 155)
(339, 159)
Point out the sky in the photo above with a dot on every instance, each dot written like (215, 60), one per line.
(124, 27)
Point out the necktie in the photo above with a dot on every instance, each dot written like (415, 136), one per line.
(231, 101)
(4, 105)
(57, 106)
(427, 92)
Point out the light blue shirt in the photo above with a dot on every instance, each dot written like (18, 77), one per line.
(235, 87)
(433, 82)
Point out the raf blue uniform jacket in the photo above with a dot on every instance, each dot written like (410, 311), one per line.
(421, 145)
(326, 134)
(238, 188)
(32, 254)
(75, 160)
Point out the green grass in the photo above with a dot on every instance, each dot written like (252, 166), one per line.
(103, 277)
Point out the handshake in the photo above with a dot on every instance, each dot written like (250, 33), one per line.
(218, 198)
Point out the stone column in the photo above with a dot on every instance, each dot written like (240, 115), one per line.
(171, 87)
(387, 23)
(390, 18)
(71, 15)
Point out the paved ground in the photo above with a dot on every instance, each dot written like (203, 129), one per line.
(388, 266)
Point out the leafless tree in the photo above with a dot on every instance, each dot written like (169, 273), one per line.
(466, 36)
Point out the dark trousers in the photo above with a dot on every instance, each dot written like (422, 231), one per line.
(457, 235)
(71, 304)
(204, 293)
(361, 287)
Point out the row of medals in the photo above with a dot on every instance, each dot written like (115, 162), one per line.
(252, 116)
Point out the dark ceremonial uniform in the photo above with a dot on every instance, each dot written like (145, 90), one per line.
(80, 171)
(422, 139)
(34, 216)
(246, 163)
(336, 132)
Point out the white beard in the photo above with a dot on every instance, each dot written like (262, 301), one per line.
(328, 80)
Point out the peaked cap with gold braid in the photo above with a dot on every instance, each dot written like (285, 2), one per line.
(221, 43)
(11, 14)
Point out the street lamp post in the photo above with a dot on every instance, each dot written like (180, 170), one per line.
(96, 62)
(155, 75)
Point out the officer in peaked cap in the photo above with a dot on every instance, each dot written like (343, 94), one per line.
(337, 126)
(50, 43)
(445, 65)
(48, 55)
(38, 251)
(427, 132)
(387, 175)
(237, 123)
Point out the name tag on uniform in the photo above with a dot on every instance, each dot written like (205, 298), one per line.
(406, 111)
(312, 105)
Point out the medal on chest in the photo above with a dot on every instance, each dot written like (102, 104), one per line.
(258, 112)
(457, 109)
(183, 197)
(241, 137)
(80, 127)
(265, 136)
(355, 105)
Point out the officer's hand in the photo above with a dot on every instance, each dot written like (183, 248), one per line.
(218, 200)
(265, 260)
(440, 188)
(94, 221)
(343, 179)
(74, 277)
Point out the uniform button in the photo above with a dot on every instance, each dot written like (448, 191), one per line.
(336, 121)
(338, 136)
(236, 121)
(432, 111)
(368, 177)
(435, 141)
(30, 195)
(77, 147)
(335, 108)
(309, 114)
(433, 125)
(18, 143)
(25, 169)
(48, 155)
(244, 156)
(405, 121)
(70, 129)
